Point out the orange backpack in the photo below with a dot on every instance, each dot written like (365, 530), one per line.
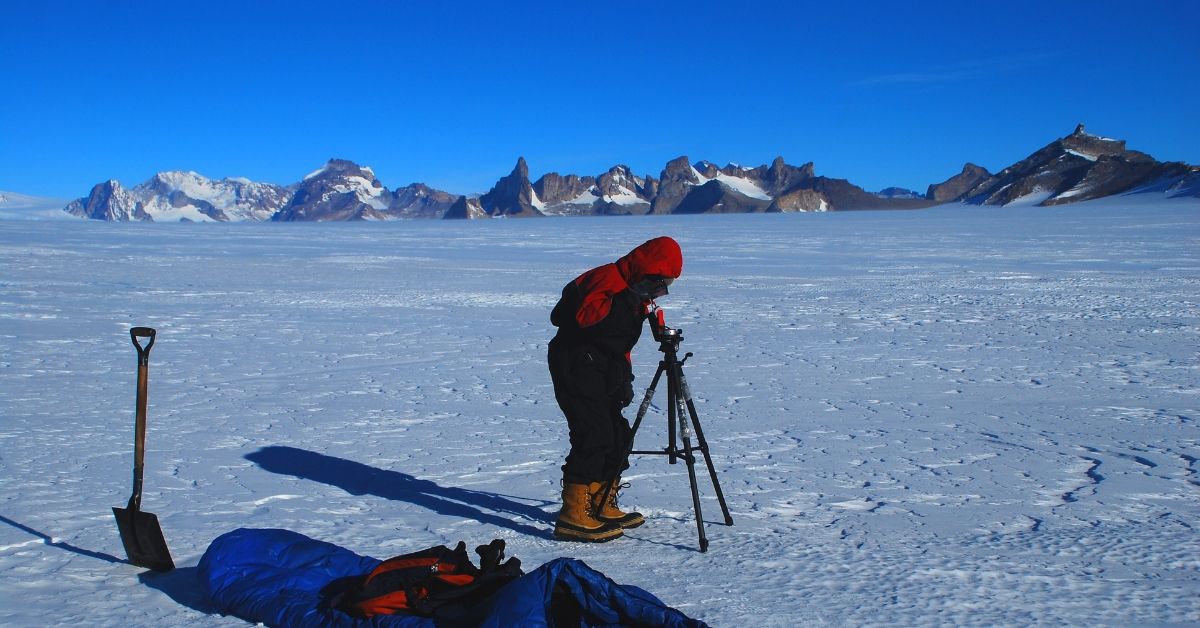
(420, 583)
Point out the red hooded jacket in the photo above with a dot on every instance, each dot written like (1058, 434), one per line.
(597, 310)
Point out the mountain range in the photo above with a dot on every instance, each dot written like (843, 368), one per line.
(1078, 167)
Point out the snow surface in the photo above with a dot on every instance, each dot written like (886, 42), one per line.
(537, 202)
(364, 189)
(221, 194)
(955, 416)
(1038, 195)
(743, 185)
(164, 212)
(587, 197)
(625, 198)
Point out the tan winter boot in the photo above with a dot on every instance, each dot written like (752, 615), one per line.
(608, 511)
(577, 521)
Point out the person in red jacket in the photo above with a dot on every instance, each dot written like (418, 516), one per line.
(599, 320)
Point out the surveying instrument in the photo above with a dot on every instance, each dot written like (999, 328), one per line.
(681, 418)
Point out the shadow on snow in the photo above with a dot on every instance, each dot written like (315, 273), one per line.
(183, 585)
(359, 479)
(48, 540)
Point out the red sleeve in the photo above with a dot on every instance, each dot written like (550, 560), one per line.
(598, 287)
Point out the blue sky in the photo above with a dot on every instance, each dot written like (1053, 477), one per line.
(451, 93)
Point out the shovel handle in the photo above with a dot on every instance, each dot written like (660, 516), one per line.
(143, 352)
(139, 429)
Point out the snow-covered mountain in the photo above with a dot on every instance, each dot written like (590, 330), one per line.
(182, 196)
(681, 188)
(895, 192)
(1078, 167)
(341, 190)
(614, 193)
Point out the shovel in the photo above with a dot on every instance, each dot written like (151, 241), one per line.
(140, 532)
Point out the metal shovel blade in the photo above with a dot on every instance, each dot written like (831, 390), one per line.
(143, 539)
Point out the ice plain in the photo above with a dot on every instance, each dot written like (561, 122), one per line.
(953, 416)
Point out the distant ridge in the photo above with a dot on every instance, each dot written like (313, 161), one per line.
(14, 206)
(1078, 167)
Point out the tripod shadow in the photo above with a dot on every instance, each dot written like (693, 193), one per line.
(359, 479)
(61, 545)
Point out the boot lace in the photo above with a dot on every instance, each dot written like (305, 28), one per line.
(589, 504)
(612, 494)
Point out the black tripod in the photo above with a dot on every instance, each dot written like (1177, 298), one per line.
(679, 410)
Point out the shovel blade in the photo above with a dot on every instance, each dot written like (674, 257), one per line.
(143, 539)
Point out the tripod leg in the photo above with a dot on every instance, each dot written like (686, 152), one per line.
(641, 413)
(691, 466)
(681, 398)
(672, 416)
(712, 471)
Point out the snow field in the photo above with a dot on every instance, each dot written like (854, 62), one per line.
(966, 416)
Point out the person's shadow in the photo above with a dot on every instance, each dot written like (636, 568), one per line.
(359, 479)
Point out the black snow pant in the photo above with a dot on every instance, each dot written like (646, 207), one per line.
(599, 432)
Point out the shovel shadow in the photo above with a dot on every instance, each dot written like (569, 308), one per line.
(48, 540)
(359, 479)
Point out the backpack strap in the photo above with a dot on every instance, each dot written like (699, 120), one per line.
(424, 582)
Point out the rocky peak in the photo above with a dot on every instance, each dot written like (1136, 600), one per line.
(779, 166)
(714, 198)
(800, 200)
(956, 187)
(1090, 146)
(781, 178)
(174, 179)
(650, 187)
(554, 188)
(707, 169)
(971, 169)
(1078, 167)
(677, 180)
(679, 168)
(108, 201)
(340, 167)
(465, 209)
(898, 192)
(841, 195)
(621, 192)
(418, 200)
(620, 180)
(341, 190)
(512, 195)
